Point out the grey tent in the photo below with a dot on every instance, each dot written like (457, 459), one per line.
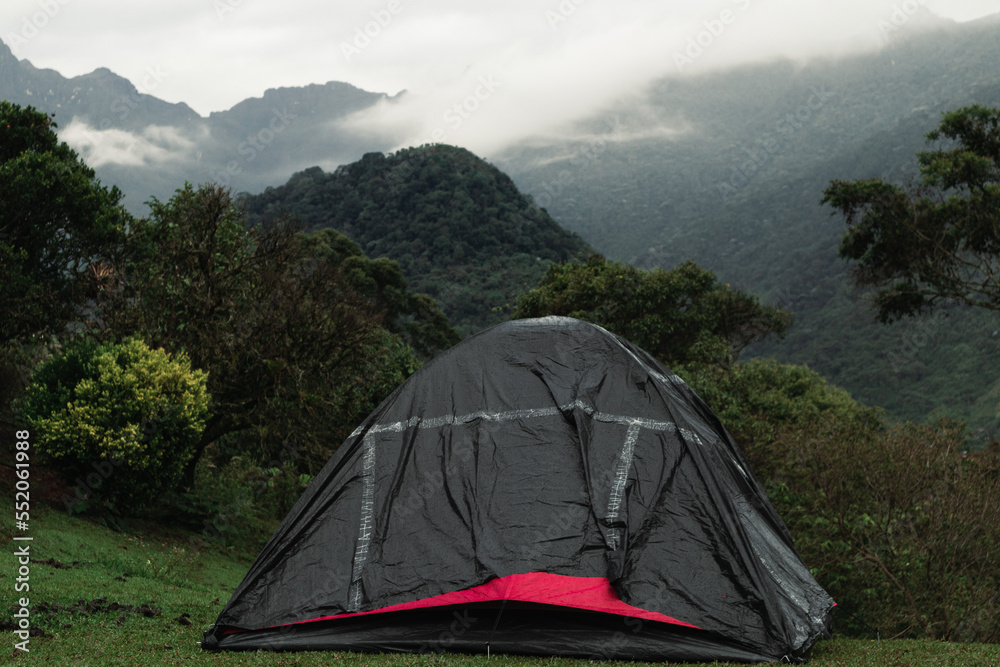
(544, 487)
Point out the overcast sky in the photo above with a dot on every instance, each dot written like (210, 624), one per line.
(563, 59)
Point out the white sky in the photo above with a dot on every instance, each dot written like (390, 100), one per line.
(547, 62)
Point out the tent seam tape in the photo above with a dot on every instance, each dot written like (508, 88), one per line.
(366, 524)
(621, 476)
(511, 415)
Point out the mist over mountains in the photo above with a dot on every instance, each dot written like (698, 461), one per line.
(148, 147)
(726, 168)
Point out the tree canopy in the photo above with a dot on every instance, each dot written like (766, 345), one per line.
(417, 318)
(280, 330)
(684, 315)
(939, 241)
(459, 228)
(57, 223)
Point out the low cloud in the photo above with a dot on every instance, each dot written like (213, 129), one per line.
(577, 59)
(481, 75)
(154, 144)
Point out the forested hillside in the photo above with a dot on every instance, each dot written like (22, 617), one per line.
(734, 182)
(459, 228)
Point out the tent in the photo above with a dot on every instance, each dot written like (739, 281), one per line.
(543, 487)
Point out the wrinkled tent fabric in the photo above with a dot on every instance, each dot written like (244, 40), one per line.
(545, 487)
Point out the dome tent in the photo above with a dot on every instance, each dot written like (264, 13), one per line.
(543, 487)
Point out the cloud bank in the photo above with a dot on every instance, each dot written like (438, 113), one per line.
(481, 75)
(155, 144)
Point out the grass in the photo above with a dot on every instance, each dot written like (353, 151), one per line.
(113, 598)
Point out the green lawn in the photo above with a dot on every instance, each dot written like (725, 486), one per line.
(107, 598)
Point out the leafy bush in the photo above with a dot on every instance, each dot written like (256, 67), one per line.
(900, 524)
(758, 399)
(235, 504)
(121, 420)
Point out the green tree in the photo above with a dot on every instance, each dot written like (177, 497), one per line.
(684, 315)
(57, 224)
(121, 419)
(417, 318)
(279, 330)
(940, 241)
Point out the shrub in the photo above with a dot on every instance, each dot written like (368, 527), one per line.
(900, 524)
(756, 400)
(234, 504)
(120, 419)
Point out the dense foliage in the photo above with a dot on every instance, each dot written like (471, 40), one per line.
(680, 316)
(939, 243)
(282, 334)
(121, 420)
(899, 524)
(759, 399)
(417, 318)
(458, 227)
(294, 337)
(57, 222)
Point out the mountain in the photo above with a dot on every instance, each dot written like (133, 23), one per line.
(458, 226)
(149, 147)
(728, 169)
(93, 97)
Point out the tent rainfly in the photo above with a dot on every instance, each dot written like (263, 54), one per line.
(543, 487)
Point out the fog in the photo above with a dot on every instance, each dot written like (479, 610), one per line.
(481, 75)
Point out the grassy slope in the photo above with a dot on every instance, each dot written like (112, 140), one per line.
(174, 572)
